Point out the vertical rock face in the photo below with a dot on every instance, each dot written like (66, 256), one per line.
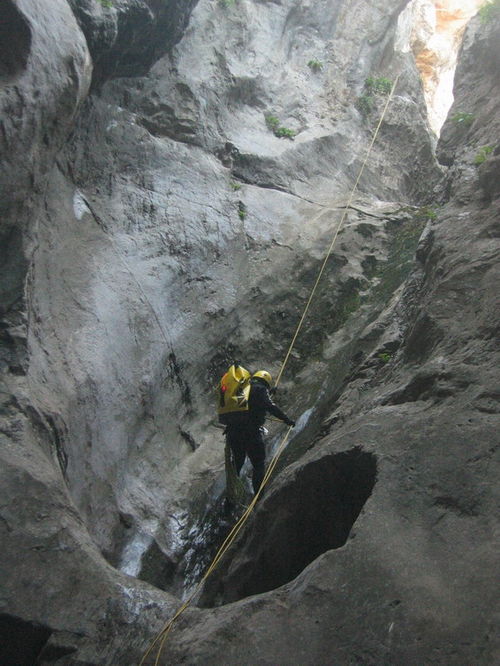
(166, 222)
(415, 577)
(181, 204)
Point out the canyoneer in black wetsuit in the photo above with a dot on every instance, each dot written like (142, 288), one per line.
(246, 438)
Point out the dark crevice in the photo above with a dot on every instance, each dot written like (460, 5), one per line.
(15, 40)
(21, 642)
(156, 568)
(188, 437)
(175, 374)
(299, 521)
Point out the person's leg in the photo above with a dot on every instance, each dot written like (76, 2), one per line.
(236, 443)
(256, 451)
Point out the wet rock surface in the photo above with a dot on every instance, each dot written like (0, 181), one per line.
(155, 228)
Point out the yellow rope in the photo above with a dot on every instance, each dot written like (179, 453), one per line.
(335, 235)
(161, 637)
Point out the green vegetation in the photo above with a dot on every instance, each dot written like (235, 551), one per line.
(463, 118)
(482, 154)
(373, 86)
(426, 213)
(365, 105)
(234, 185)
(401, 258)
(379, 85)
(348, 304)
(242, 211)
(488, 11)
(284, 132)
(272, 123)
(315, 65)
(227, 3)
(385, 357)
(277, 129)
(105, 3)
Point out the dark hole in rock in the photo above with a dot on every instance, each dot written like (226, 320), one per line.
(299, 521)
(13, 267)
(15, 40)
(21, 642)
(156, 568)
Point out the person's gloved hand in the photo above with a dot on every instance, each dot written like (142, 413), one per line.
(290, 423)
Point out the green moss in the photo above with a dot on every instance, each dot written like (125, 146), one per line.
(426, 213)
(489, 10)
(482, 154)
(349, 302)
(235, 186)
(333, 307)
(364, 104)
(401, 257)
(463, 118)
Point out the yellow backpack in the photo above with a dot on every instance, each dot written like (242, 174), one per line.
(233, 392)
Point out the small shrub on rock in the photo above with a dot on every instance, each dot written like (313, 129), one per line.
(105, 3)
(284, 132)
(379, 85)
(272, 123)
(373, 86)
(277, 129)
(315, 65)
(364, 104)
(482, 154)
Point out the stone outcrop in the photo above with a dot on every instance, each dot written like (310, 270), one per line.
(154, 227)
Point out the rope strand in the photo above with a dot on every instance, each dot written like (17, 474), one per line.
(335, 235)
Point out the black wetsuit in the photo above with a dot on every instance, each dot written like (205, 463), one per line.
(246, 438)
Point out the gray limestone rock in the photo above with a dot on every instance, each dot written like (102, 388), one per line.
(125, 37)
(155, 228)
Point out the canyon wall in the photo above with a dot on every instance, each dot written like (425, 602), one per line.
(155, 226)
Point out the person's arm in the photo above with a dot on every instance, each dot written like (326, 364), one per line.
(273, 408)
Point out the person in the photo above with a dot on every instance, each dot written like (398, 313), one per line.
(247, 437)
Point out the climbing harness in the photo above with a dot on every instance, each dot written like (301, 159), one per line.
(161, 637)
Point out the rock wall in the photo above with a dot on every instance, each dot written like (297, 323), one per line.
(413, 578)
(156, 227)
